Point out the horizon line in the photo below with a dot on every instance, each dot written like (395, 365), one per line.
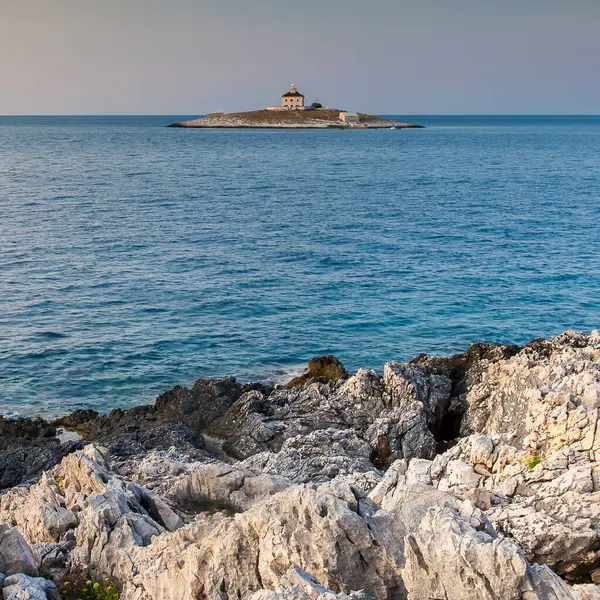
(110, 114)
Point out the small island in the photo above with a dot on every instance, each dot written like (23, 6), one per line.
(293, 114)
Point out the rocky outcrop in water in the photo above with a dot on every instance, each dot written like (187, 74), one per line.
(476, 476)
(322, 118)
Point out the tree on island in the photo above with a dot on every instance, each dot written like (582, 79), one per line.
(317, 105)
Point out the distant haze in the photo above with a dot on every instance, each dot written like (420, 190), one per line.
(379, 56)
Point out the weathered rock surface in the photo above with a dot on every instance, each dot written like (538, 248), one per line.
(476, 476)
(319, 456)
(177, 419)
(28, 447)
(23, 587)
(300, 585)
(15, 554)
(325, 368)
(448, 558)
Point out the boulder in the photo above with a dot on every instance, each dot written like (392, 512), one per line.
(38, 511)
(326, 368)
(15, 554)
(446, 557)
(23, 587)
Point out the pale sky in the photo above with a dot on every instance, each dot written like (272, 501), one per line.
(379, 56)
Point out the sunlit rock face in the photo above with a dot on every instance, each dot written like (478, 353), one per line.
(475, 476)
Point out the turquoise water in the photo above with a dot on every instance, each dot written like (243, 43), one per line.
(135, 257)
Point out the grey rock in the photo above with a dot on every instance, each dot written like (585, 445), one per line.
(448, 558)
(15, 554)
(318, 456)
(27, 448)
(52, 558)
(23, 587)
(300, 585)
(218, 485)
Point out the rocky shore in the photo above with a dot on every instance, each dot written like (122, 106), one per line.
(289, 119)
(470, 477)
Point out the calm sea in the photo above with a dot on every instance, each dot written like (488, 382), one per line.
(135, 257)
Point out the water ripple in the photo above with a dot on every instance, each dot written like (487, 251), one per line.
(134, 257)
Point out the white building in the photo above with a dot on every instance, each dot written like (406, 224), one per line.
(349, 117)
(292, 100)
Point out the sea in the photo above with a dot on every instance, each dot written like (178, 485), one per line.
(134, 257)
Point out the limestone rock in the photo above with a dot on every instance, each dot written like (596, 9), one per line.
(221, 485)
(39, 512)
(240, 491)
(318, 456)
(551, 509)
(448, 558)
(586, 592)
(543, 398)
(23, 587)
(395, 414)
(15, 554)
(302, 526)
(303, 586)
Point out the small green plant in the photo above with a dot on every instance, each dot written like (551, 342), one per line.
(60, 484)
(226, 512)
(81, 588)
(531, 461)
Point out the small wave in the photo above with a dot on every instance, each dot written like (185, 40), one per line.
(282, 374)
(49, 335)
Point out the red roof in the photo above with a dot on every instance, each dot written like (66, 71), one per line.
(292, 94)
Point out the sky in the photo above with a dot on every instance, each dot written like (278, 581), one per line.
(187, 57)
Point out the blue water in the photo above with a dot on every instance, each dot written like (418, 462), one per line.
(134, 257)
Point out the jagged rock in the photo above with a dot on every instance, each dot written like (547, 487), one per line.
(23, 587)
(313, 528)
(421, 383)
(300, 585)
(27, 448)
(222, 485)
(15, 554)
(167, 509)
(392, 414)
(198, 486)
(52, 558)
(401, 432)
(532, 464)
(114, 515)
(325, 368)
(551, 509)
(158, 469)
(543, 398)
(39, 511)
(586, 591)
(448, 558)
(177, 419)
(319, 456)
(301, 525)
